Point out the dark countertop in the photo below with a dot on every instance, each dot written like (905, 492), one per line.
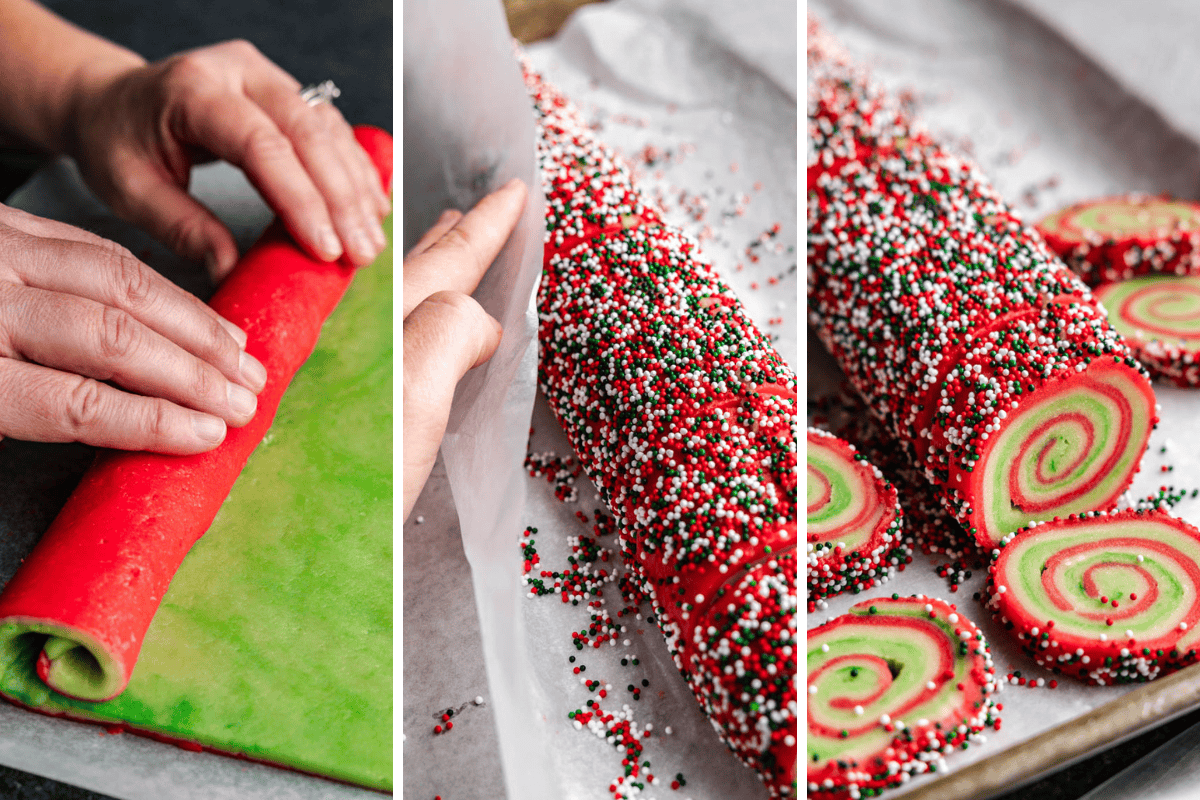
(1079, 779)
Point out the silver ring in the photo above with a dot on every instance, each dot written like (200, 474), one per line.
(323, 92)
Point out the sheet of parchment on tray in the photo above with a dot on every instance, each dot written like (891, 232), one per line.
(700, 99)
(1057, 104)
(122, 765)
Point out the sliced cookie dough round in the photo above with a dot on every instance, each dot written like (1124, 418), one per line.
(1159, 316)
(1046, 417)
(1116, 238)
(892, 685)
(855, 524)
(1103, 597)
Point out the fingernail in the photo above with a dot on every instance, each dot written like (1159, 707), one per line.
(212, 266)
(241, 400)
(208, 428)
(331, 248)
(378, 235)
(237, 333)
(253, 372)
(447, 215)
(364, 249)
(512, 184)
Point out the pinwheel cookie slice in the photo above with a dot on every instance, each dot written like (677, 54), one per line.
(891, 686)
(1159, 316)
(1116, 238)
(855, 523)
(1103, 597)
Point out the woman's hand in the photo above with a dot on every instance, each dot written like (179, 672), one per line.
(78, 311)
(446, 332)
(137, 132)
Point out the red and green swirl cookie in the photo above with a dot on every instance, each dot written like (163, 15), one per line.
(1031, 425)
(1116, 238)
(986, 359)
(1159, 316)
(892, 685)
(1103, 597)
(855, 524)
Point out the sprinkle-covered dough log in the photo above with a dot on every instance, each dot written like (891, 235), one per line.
(855, 527)
(1103, 597)
(683, 415)
(976, 347)
(1116, 238)
(892, 685)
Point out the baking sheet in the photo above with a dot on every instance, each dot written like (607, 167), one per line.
(1054, 113)
(41, 476)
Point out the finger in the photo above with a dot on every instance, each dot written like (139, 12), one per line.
(383, 204)
(34, 225)
(232, 127)
(106, 343)
(52, 229)
(325, 145)
(375, 197)
(110, 275)
(362, 177)
(444, 336)
(43, 405)
(460, 257)
(448, 219)
(154, 201)
(317, 131)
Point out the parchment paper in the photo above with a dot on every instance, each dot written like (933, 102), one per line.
(711, 86)
(1055, 113)
(36, 481)
(468, 129)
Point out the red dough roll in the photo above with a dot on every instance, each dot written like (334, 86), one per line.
(1103, 597)
(83, 599)
(1116, 238)
(683, 415)
(855, 524)
(975, 346)
(893, 685)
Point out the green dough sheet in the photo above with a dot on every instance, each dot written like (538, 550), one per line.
(274, 640)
